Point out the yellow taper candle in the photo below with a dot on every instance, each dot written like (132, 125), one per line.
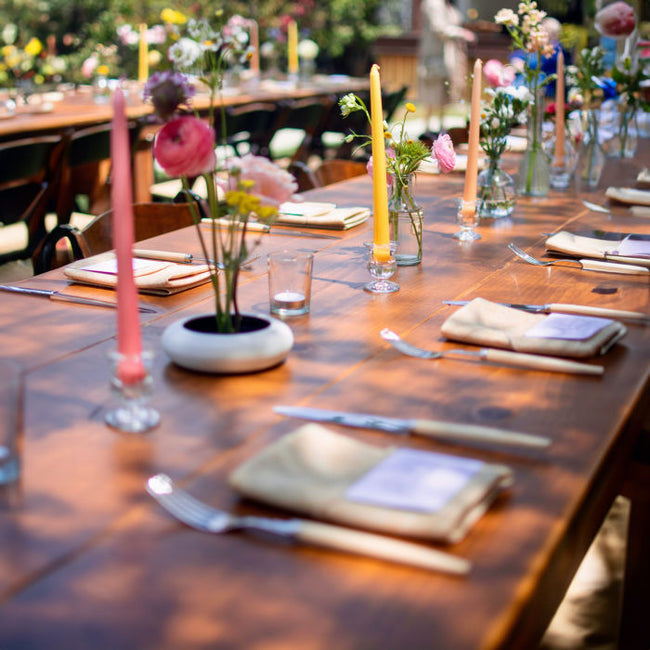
(469, 195)
(381, 241)
(559, 111)
(143, 55)
(292, 43)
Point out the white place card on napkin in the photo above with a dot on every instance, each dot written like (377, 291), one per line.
(633, 248)
(411, 479)
(568, 327)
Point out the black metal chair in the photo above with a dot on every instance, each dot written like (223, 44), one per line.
(30, 171)
(250, 127)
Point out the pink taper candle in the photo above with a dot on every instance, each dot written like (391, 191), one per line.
(471, 172)
(129, 344)
(559, 111)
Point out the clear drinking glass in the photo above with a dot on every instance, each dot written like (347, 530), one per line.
(467, 217)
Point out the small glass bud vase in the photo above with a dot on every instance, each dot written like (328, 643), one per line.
(534, 177)
(405, 219)
(591, 157)
(496, 192)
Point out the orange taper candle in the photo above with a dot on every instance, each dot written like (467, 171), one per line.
(380, 187)
(129, 343)
(559, 111)
(471, 172)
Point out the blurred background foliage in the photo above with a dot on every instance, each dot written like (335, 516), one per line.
(343, 29)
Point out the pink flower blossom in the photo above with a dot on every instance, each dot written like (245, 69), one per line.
(617, 20)
(272, 184)
(390, 154)
(185, 147)
(443, 152)
(89, 66)
(497, 74)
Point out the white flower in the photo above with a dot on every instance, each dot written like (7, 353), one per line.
(348, 104)
(308, 49)
(185, 52)
(506, 17)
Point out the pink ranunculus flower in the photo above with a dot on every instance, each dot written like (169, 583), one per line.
(89, 66)
(185, 147)
(272, 184)
(443, 152)
(497, 74)
(617, 20)
(390, 153)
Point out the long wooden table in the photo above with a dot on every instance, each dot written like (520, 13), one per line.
(89, 560)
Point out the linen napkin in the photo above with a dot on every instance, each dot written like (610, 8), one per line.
(581, 246)
(318, 472)
(151, 276)
(643, 176)
(486, 323)
(321, 215)
(628, 195)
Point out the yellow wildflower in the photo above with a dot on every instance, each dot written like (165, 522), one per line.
(34, 47)
(410, 107)
(102, 70)
(173, 17)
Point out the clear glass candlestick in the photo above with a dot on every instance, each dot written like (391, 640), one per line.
(381, 269)
(467, 217)
(131, 414)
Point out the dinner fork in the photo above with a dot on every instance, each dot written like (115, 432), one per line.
(505, 357)
(202, 517)
(585, 264)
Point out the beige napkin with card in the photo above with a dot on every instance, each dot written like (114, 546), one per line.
(151, 276)
(592, 247)
(628, 195)
(315, 471)
(486, 323)
(321, 215)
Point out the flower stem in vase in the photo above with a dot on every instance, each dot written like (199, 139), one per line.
(405, 220)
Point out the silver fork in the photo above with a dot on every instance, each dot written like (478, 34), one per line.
(504, 357)
(202, 517)
(533, 260)
(585, 264)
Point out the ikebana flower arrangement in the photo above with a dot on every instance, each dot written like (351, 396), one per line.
(403, 158)
(237, 188)
(528, 35)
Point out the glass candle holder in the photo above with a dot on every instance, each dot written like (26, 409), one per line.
(131, 414)
(467, 217)
(381, 267)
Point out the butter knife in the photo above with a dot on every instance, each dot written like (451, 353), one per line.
(430, 428)
(562, 308)
(64, 297)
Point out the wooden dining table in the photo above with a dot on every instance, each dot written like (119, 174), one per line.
(88, 559)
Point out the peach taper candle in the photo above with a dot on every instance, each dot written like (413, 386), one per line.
(559, 112)
(471, 172)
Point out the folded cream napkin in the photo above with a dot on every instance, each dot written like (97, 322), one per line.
(628, 195)
(643, 176)
(640, 210)
(320, 473)
(486, 323)
(592, 247)
(151, 276)
(321, 215)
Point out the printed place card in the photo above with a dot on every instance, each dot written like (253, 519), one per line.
(633, 248)
(410, 479)
(568, 327)
(140, 266)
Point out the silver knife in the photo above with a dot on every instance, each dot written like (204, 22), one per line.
(562, 308)
(430, 428)
(64, 297)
